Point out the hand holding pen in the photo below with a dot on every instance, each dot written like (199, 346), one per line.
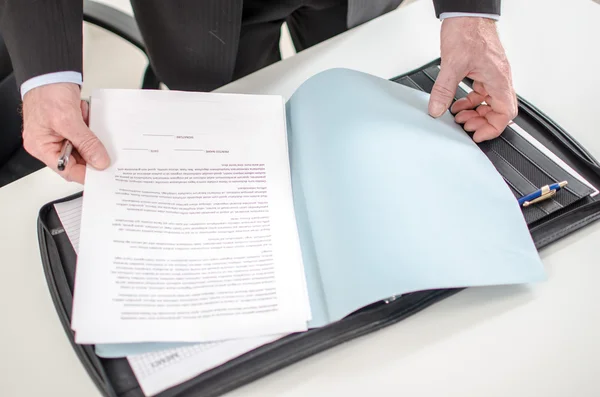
(55, 131)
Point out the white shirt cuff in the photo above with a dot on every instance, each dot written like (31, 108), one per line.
(445, 15)
(51, 78)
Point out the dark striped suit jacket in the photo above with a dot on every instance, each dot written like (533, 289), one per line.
(45, 36)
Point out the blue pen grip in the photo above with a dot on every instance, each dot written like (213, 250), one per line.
(530, 196)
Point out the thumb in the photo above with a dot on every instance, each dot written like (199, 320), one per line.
(88, 145)
(443, 91)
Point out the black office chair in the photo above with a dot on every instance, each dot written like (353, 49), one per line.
(15, 162)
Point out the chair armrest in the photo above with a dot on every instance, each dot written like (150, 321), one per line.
(114, 21)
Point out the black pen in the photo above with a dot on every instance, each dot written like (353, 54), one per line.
(65, 153)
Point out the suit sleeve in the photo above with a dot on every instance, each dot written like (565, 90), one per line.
(470, 6)
(42, 36)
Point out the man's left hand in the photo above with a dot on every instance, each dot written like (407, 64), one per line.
(470, 47)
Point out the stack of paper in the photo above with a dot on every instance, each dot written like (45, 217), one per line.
(159, 366)
(160, 370)
(190, 235)
(212, 234)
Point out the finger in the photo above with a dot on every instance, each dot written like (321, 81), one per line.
(87, 144)
(74, 171)
(485, 133)
(498, 121)
(465, 115)
(488, 127)
(480, 88)
(483, 110)
(471, 101)
(475, 124)
(85, 112)
(462, 104)
(48, 153)
(79, 159)
(502, 103)
(500, 94)
(443, 90)
(77, 174)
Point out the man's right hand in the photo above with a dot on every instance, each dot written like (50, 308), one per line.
(53, 113)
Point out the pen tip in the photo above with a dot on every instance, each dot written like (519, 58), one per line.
(563, 183)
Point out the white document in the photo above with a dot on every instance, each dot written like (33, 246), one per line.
(158, 371)
(190, 234)
(69, 213)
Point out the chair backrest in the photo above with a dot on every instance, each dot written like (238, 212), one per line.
(10, 101)
(5, 65)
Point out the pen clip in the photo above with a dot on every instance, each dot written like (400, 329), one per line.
(543, 197)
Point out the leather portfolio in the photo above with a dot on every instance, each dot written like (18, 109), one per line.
(520, 155)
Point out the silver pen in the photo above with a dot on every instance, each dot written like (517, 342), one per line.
(65, 153)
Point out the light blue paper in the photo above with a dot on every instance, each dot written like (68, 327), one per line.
(115, 350)
(389, 200)
(395, 200)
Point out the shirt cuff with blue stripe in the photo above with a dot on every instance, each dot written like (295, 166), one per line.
(51, 78)
(445, 15)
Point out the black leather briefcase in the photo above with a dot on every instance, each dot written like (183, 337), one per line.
(523, 166)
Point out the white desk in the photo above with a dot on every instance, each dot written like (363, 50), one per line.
(506, 341)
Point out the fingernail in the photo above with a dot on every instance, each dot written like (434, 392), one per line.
(94, 159)
(98, 161)
(437, 109)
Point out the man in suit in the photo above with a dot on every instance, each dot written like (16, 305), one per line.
(203, 44)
